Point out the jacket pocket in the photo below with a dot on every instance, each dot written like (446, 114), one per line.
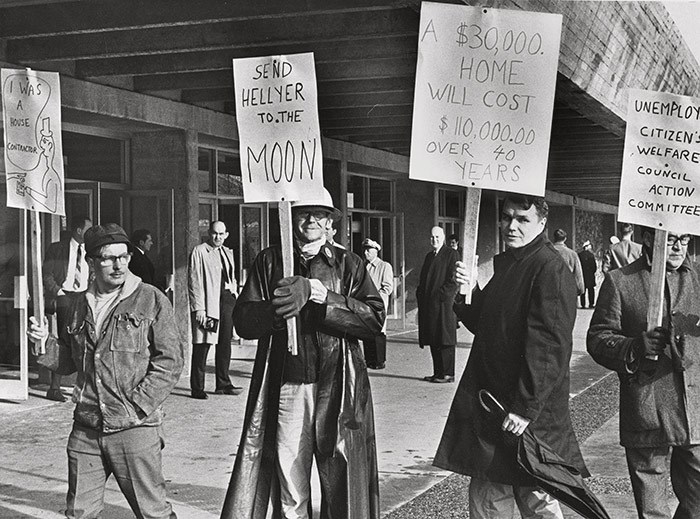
(130, 332)
(638, 410)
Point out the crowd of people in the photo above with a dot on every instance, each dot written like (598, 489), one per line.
(116, 329)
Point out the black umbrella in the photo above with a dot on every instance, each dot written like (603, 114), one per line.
(552, 474)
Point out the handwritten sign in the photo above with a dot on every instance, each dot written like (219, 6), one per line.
(277, 116)
(660, 185)
(484, 97)
(31, 106)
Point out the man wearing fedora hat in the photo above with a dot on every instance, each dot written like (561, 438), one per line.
(122, 340)
(382, 275)
(588, 268)
(317, 403)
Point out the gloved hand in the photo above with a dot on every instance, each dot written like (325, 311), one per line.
(290, 296)
(652, 344)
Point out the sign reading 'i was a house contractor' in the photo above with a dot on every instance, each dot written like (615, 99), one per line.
(660, 185)
(280, 136)
(484, 97)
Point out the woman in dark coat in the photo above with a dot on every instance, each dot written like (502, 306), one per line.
(522, 322)
(437, 323)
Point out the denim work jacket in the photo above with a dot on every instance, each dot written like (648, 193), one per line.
(127, 372)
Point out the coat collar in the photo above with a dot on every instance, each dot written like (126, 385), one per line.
(327, 252)
(521, 252)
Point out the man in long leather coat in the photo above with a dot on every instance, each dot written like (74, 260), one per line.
(522, 323)
(316, 403)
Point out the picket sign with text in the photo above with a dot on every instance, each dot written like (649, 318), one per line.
(280, 140)
(483, 103)
(31, 107)
(661, 176)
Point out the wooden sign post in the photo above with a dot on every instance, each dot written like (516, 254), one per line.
(37, 277)
(280, 141)
(483, 105)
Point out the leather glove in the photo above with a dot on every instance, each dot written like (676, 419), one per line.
(652, 344)
(290, 296)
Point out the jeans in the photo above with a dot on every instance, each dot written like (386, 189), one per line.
(649, 468)
(489, 500)
(132, 455)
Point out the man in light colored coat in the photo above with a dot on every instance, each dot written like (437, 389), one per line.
(570, 257)
(212, 289)
(659, 373)
(623, 251)
(382, 275)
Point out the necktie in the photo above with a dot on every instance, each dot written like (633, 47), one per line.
(78, 267)
(225, 266)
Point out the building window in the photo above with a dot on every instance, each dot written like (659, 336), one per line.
(205, 170)
(374, 194)
(451, 211)
(229, 180)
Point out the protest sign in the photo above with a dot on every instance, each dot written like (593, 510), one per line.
(31, 104)
(280, 137)
(484, 97)
(661, 165)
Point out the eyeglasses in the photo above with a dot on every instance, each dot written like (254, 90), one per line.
(318, 214)
(671, 240)
(106, 261)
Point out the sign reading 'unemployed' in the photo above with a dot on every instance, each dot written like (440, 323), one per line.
(661, 165)
(484, 97)
(280, 137)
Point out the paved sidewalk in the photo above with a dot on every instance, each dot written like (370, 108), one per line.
(202, 437)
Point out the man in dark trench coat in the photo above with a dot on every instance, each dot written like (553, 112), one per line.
(522, 323)
(437, 323)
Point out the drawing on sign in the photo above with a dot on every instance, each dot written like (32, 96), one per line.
(277, 115)
(661, 166)
(484, 97)
(30, 147)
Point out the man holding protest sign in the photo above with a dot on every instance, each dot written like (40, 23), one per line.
(123, 341)
(659, 371)
(316, 403)
(522, 323)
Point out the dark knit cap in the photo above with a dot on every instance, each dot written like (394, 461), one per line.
(99, 235)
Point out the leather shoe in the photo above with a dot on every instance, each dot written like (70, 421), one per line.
(55, 395)
(381, 365)
(430, 378)
(231, 390)
(199, 395)
(443, 380)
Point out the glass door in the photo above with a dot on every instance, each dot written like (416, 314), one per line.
(14, 303)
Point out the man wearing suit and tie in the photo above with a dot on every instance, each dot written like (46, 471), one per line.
(437, 323)
(140, 263)
(65, 273)
(212, 290)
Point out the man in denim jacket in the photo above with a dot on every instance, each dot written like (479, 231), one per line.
(659, 373)
(122, 340)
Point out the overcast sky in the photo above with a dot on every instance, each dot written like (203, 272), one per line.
(686, 14)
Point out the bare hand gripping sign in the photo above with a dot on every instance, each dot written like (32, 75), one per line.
(484, 97)
(660, 185)
(31, 103)
(277, 116)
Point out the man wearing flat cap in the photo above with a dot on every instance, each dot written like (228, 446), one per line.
(123, 341)
(317, 403)
(383, 277)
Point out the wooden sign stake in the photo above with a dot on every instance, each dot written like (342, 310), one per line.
(655, 309)
(37, 277)
(470, 232)
(285, 212)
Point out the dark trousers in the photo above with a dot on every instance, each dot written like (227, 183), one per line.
(591, 297)
(443, 360)
(223, 351)
(375, 350)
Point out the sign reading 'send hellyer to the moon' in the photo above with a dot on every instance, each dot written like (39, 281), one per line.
(484, 97)
(280, 136)
(660, 185)
(31, 108)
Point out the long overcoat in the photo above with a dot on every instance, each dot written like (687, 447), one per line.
(344, 421)
(437, 323)
(522, 322)
(659, 405)
(205, 287)
(589, 267)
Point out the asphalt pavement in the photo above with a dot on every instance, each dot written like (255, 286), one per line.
(202, 437)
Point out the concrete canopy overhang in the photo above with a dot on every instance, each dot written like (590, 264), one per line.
(140, 66)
